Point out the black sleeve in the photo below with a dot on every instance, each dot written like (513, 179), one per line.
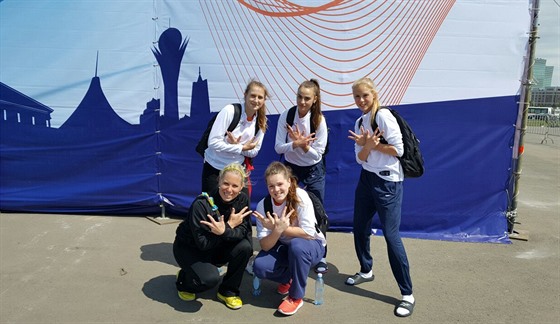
(202, 237)
(244, 230)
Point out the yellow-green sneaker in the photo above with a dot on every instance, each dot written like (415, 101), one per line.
(233, 302)
(186, 296)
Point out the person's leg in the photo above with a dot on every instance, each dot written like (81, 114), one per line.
(302, 255)
(314, 180)
(315, 183)
(196, 274)
(209, 177)
(236, 258)
(273, 264)
(390, 217)
(364, 209)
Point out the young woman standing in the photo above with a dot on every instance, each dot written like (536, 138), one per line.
(379, 190)
(240, 145)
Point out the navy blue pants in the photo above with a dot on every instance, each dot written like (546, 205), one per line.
(375, 195)
(312, 177)
(289, 261)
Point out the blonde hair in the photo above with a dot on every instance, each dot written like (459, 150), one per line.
(235, 168)
(369, 84)
(292, 200)
(261, 115)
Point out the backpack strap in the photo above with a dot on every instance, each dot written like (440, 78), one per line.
(267, 205)
(374, 124)
(236, 117)
(292, 115)
(256, 127)
(374, 121)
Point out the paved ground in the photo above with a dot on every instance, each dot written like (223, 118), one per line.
(98, 269)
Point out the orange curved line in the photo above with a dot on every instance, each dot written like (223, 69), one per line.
(351, 20)
(398, 82)
(302, 10)
(435, 24)
(402, 77)
(262, 59)
(346, 13)
(348, 60)
(359, 37)
(364, 65)
(346, 5)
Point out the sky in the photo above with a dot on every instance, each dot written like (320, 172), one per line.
(548, 43)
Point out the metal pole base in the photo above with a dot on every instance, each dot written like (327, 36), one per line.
(519, 235)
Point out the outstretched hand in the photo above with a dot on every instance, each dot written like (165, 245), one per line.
(273, 222)
(299, 139)
(216, 227)
(247, 146)
(232, 139)
(365, 138)
(236, 219)
(283, 222)
(358, 138)
(266, 221)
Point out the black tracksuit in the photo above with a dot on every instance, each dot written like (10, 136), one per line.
(199, 252)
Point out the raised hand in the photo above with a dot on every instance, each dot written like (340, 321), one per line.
(236, 219)
(299, 139)
(267, 221)
(251, 144)
(232, 139)
(358, 138)
(373, 140)
(216, 227)
(283, 222)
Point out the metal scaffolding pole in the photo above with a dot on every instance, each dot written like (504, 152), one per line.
(521, 125)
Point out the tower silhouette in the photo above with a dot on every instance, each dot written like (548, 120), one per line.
(200, 101)
(169, 57)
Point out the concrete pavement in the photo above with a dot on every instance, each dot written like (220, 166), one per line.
(100, 269)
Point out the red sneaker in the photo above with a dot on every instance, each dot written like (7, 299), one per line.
(283, 289)
(290, 306)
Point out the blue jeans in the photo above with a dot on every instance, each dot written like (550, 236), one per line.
(375, 195)
(289, 261)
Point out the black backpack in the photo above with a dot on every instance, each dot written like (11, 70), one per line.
(322, 220)
(203, 142)
(412, 161)
(290, 121)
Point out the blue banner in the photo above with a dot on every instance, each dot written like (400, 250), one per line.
(103, 117)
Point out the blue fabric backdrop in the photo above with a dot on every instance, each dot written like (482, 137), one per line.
(103, 102)
(105, 165)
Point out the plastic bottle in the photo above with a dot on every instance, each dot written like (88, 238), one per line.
(256, 286)
(319, 290)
